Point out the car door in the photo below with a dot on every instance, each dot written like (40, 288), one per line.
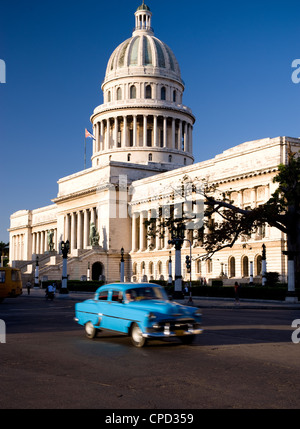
(115, 311)
(102, 308)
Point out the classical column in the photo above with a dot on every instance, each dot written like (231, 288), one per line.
(185, 139)
(86, 228)
(145, 131)
(165, 132)
(115, 139)
(173, 134)
(180, 135)
(134, 231)
(79, 230)
(124, 131)
(101, 135)
(33, 243)
(142, 231)
(37, 243)
(73, 231)
(42, 245)
(157, 236)
(155, 139)
(134, 130)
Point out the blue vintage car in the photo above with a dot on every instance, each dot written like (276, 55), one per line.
(140, 310)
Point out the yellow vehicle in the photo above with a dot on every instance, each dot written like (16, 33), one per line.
(10, 283)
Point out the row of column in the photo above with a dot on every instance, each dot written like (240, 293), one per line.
(141, 240)
(133, 131)
(17, 247)
(77, 227)
(40, 242)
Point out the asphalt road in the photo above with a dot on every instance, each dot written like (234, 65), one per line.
(244, 359)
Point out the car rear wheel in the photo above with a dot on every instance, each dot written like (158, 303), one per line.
(90, 330)
(137, 338)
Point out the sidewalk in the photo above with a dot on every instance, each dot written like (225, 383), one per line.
(206, 302)
(197, 301)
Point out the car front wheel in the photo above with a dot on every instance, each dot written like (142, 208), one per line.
(137, 338)
(90, 330)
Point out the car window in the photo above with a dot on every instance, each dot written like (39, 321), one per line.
(103, 295)
(117, 296)
(2, 276)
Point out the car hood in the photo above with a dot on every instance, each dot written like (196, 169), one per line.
(163, 307)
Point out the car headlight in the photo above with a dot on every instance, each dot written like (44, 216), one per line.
(151, 316)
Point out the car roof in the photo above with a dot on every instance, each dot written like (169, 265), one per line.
(127, 285)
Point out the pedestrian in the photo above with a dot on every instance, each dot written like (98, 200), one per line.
(186, 289)
(236, 293)
(28, 285)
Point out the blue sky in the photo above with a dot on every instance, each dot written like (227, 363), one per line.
(235, 59)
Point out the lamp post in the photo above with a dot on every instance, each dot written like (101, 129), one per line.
(170, 269)
(177, 235)
(36, 274)
(251, 273)
(122, 271)
(65, 247)
(263, 266)
(88, 277)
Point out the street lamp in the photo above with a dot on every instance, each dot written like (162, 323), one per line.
(65, 247)
(177, 235)
(263, 265)
(170, 269)
(122, 273)
(36, 274)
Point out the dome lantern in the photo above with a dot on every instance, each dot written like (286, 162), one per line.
(143, 20)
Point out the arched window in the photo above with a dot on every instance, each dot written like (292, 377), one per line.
(150, 157)
(129, 157)
(209, 266)
(119, 94)
(150, 268)
(159, 268)
(231, 266)
(134, 269)
(170, 158)
(132, 92)
(258, 265)
(174, 96)
(148, 92)
(163, 93)
(109, 97)
(245, 266)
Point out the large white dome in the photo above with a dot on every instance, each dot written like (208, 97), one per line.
(146, 54)
(143, 54)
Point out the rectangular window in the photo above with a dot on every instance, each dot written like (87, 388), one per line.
(2, 276)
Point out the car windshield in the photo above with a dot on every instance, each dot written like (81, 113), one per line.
(147, 292)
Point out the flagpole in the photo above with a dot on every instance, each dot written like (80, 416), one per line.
(84, 151)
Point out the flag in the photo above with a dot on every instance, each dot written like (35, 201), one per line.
(88, 135)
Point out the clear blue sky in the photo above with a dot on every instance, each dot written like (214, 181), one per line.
(235, 59)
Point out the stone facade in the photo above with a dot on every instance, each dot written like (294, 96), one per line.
(143, 148)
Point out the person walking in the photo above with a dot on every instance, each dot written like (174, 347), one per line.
(236, 293)
(28, 285)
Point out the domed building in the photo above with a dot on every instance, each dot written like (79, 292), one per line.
(143, 119)
(142, 150)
